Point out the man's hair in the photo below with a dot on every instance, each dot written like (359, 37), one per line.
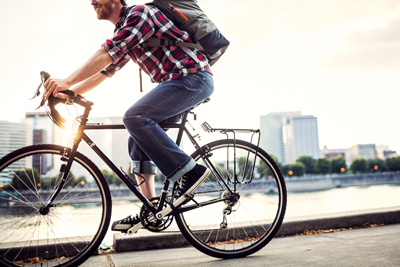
(123, 2)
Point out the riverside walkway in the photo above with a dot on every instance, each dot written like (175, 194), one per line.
(371, 246)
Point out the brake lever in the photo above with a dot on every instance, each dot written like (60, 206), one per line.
(37, 93)
(43, 76)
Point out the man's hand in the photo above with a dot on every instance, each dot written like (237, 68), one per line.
(54, 86)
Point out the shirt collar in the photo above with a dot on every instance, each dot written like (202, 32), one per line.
(121, 19)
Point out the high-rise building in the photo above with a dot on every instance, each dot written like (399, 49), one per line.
(300, 138)
(42, 126)
(289, 135)
(272, 134)
(13, 136)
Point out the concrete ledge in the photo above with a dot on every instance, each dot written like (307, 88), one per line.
(298, 227)
(123, 243)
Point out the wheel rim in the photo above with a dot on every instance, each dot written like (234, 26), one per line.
(37, 234)
(253, 213)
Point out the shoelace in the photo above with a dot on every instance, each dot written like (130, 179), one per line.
(130, 219)
(181, 184)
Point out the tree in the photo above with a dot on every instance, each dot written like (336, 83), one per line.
(337, 165)
(375, 165)
(26, 179)
(244, 167)
(393, 164)
(262, 169)
(308, 162)
(297, 169)
(111, 178)
(285, 169)
(322, 166)
(358, 165)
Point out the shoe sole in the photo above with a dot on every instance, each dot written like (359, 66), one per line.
(196, 185)
(120, 227)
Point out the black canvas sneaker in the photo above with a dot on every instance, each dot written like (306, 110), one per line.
(124, 224)
(190, 182)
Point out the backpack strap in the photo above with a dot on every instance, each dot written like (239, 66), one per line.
(162, 42)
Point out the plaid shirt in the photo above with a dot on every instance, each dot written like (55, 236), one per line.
(138, 23)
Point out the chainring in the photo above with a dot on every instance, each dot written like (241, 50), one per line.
(150, 222)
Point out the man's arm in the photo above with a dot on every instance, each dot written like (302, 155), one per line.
(94, 65)
(89, 83)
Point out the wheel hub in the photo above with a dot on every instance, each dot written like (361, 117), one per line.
(231, 199)
(44, 210)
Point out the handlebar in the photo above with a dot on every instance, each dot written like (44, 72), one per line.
(53, 101)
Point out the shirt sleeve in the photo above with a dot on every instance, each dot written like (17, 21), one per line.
(112, 68)
(137, 28)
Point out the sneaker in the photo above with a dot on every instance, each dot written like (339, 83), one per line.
(190, 182)
(124, 224)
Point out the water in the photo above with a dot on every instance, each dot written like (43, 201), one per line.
(338, 200)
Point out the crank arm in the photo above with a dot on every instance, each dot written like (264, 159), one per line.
(134, 229)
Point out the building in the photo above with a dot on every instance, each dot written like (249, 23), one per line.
(383, 152)
(332, 153)
(43, 128)
(272, 134)
(300, 137)
(13, 136)
(289, 135)
(365, 151)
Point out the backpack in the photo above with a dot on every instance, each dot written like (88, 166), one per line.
(187, 16)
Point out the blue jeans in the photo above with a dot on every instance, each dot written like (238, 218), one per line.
(149, 144)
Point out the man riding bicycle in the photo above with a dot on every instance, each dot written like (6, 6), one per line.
(184, 80)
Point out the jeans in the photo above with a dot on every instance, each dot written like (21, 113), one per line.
(149, 144)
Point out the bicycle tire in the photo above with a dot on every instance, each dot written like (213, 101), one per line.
(64, 235)
(254, 218)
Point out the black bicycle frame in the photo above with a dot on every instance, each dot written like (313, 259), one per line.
(69, 155)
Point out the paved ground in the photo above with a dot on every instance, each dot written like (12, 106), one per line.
(378, 246)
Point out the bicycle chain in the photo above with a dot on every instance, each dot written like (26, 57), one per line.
(174, 232)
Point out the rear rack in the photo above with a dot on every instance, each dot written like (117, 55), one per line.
(207, 127)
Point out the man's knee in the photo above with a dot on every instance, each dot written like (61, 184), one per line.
(135, 121)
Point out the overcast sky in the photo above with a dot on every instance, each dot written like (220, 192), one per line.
(335, 59)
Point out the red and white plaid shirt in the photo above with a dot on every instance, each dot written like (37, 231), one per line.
(138, 23)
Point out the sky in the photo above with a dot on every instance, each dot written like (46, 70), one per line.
(335, 59)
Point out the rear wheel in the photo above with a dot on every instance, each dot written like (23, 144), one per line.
(248, 214)
(63, 234)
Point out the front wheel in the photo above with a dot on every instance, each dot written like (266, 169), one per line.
(65, 233)
(248, 201)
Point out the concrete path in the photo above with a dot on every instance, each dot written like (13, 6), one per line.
(378, 246)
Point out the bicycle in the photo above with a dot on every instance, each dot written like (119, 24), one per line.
(234, 213)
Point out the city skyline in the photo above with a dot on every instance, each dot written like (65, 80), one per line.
(336, 64)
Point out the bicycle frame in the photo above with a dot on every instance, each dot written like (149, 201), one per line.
(81, 135)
